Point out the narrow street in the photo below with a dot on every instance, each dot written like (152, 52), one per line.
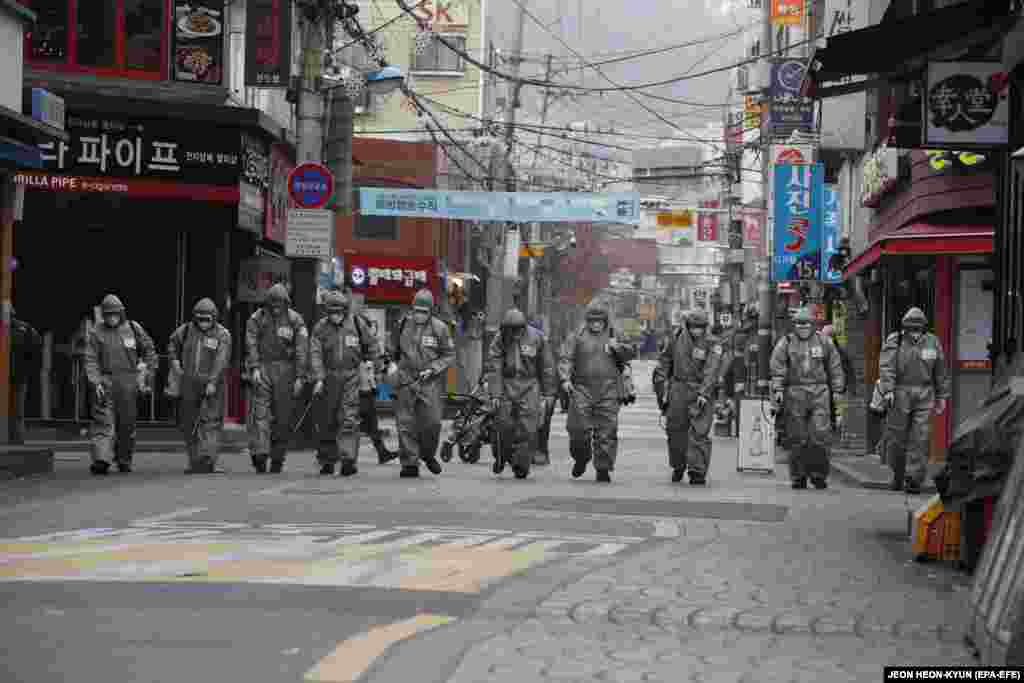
(465, 578)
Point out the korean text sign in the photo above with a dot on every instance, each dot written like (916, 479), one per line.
(268, 43)
(832, 227)
(788, 108)
(392, 279)
(111, 146)
(798, 204)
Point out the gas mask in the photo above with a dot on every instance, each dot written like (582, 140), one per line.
(697, 332)
(595, 325)
(276, 310)
(804, 330)
(336, 317)
(111, 319)
(914, 334)
(204, 323)
(420, 317)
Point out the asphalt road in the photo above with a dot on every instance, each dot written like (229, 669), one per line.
(156, 576)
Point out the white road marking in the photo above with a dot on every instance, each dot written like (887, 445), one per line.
(605, 549)
(183, 512)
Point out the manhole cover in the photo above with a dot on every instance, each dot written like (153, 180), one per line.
(740, 512)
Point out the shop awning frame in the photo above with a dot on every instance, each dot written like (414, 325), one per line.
(902, 46)
(930, 240)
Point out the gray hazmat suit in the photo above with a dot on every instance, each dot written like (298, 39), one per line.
(913, 375)
(804, 372)
(277, 346)
(119, 362)
(588, 363)
(519, 370)
(423, 353)
(690, 367)
(337, 352)
(200, 356)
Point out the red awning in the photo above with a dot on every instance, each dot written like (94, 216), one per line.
(924, 239)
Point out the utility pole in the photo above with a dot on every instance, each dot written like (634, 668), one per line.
(532, 300)
(766, 295)
(497, 281)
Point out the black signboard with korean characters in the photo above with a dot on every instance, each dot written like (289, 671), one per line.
(268, 43)
(198, 50)
(142, 158)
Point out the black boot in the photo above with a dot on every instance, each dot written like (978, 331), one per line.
(259, 463)
(348, 468)
(819, 482)
(432, 464)
(912, 487)
(678, 474)
(697, 479)
(604, 476)
(409, 472)
(124, 465)
(99, 467)
(383, 454)
(276, 465)
(800, 483)
(579, 468)
(327, 469)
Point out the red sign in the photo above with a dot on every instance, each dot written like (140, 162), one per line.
(390, 278)
(707, 223)
(130, 187)
(753, 229)
(275, 227)
(310, 185)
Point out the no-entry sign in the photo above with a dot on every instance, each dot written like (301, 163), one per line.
(310, 185)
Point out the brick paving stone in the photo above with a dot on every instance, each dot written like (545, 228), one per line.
(714, 617)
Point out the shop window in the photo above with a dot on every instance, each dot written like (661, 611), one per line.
(438, 58)
(375, 228)
(143, 32)
(127, 38)
(48, 39)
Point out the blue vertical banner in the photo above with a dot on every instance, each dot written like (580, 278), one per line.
(831, 230)
(798, 204)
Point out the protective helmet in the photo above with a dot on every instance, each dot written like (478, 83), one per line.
(336, 302)
(915, 319)
(803, 316)
(596, 312)
(696, 319)
(424, 301)
(204, 309)
(279, 293)
(111, 304)
(514, 318)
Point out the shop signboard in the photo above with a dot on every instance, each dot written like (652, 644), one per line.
(198, 41)
(787, 12)
(789, 110)
(675, 228)
(798, 200)
(257, 275)
(268, 44)
(385, 278)
(251, 205)
(707, 223)
(255, 176)
(442, 15)
(792, 154)
(141, 158)
(48, 108)
(966, 104)
(275, 226)
(309, 233)
(831, 232)
(753, 229)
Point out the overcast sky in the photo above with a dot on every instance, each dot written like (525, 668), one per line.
(603, 29)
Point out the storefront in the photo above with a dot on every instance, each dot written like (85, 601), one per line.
(160, 207)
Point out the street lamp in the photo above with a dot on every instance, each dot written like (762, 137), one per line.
(384, 81)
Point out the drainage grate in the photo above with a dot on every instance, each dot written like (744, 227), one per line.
(740, 512)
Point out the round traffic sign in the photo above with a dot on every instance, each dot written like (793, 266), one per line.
(310, 185)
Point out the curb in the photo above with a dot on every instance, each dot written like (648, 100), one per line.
(851, 475)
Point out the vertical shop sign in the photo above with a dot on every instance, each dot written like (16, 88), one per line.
(753, 229)
(787, 12)
(798, 200)
(268, 43)
(707, 223)
(788, 108)
(198, 49)
(253, 185)
(278, 203)
(831, 230)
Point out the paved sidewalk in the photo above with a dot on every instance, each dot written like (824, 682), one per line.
(828, 594)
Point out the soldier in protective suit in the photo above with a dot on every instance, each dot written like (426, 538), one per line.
(689, 363)
(119, 362)
(805, 367)
(199, 352)
(519, 370)
(914, 382)
(338, 348)
(277, 346)
(590, 370)
(422, 349)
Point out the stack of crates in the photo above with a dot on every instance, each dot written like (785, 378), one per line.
(936, 532)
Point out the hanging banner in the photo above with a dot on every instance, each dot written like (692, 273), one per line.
(513, 207)
(788, 12)
(798, 203)
(268, 43)
(789, 110)
(832, 230)
(753, 229)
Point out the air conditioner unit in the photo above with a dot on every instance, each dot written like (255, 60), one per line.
(741, 79)
(760, 75)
